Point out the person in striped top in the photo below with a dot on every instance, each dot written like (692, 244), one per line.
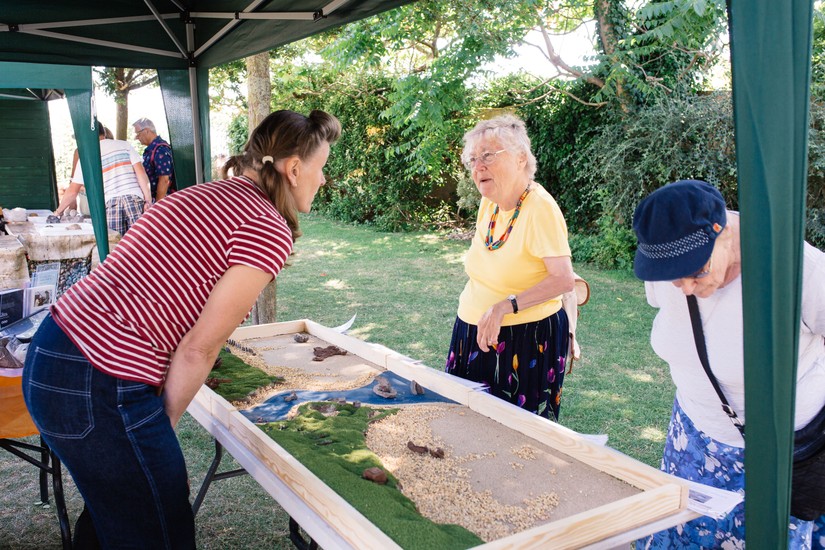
(125, 183)
(123, 352)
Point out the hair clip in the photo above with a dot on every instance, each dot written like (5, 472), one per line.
(266, 159)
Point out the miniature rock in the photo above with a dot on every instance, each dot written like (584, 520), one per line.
(375, 474)
(438, 453)
(213, 383)
(416, 388)
(327, 409)
(320, 353)
(301, 338)
(291, 397)
(384, 388)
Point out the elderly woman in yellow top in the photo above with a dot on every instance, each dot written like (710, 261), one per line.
(511, 332)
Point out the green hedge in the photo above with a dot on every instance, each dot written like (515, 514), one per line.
(597, 163)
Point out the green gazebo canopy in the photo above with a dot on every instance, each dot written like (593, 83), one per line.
(181, 39)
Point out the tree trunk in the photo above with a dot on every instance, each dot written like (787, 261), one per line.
(259, 88)
(259, 99)
(606, 11)
(122, 103)
(122, 117)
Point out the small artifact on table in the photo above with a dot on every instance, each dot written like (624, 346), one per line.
(7, 358)
(15, 215)
(301, 337)
(383, 388)
(71, 216)
(437, 453)
(53, 219)
(73, 227)
(241, 347)
(420, 449)
(375, 474)
(213, 383)
(322, 353)
(416, 388)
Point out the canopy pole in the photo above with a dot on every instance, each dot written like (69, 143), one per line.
(196, 124)
(166, 28)
(771, 123)
(193, 94)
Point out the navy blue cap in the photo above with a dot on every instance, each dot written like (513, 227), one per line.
(676, 227)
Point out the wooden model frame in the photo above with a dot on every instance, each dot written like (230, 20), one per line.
(334, 523)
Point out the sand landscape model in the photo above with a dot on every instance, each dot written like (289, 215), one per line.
(457, 466)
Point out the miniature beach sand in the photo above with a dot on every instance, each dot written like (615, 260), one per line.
(493, 481)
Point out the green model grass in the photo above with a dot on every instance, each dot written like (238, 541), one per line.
(239, 379)
(334, 449)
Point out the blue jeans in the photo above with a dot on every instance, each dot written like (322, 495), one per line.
(116, 441)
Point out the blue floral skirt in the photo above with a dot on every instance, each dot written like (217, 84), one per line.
(818, 538)
(525, 369)
(692, 455)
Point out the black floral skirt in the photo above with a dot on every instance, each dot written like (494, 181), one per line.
(526, 368)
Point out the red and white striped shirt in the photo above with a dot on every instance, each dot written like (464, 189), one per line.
(129, 315)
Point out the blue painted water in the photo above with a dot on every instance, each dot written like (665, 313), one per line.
(275, 408)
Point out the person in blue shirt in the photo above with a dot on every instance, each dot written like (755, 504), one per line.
(157, 159)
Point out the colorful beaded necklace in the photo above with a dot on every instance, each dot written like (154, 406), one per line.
(488, 241)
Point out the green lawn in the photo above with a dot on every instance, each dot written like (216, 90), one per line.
(404, 289)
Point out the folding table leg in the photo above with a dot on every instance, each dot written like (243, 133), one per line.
(297, 539)
(44, 474)
(60, 502)
(211, 476)
(19, 448)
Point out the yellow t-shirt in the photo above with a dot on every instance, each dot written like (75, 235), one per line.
(539, 232)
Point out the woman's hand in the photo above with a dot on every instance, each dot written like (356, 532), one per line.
(558, 281)
(490, 324)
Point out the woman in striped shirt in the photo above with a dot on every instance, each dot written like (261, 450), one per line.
(113, 368)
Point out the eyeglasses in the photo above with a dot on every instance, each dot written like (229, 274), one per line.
(140, 131)
(704, 272)
(485, 158)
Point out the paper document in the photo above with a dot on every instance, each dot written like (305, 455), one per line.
(710, 501)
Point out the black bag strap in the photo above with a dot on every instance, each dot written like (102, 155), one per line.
(699, 338)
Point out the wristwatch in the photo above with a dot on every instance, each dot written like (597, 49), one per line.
(512, 298)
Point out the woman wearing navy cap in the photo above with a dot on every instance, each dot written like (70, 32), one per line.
(688, 246)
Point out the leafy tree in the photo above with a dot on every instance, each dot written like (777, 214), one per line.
(118, 82)
(818, 54)
(433, 48)
(225, 85)
(417, 79)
